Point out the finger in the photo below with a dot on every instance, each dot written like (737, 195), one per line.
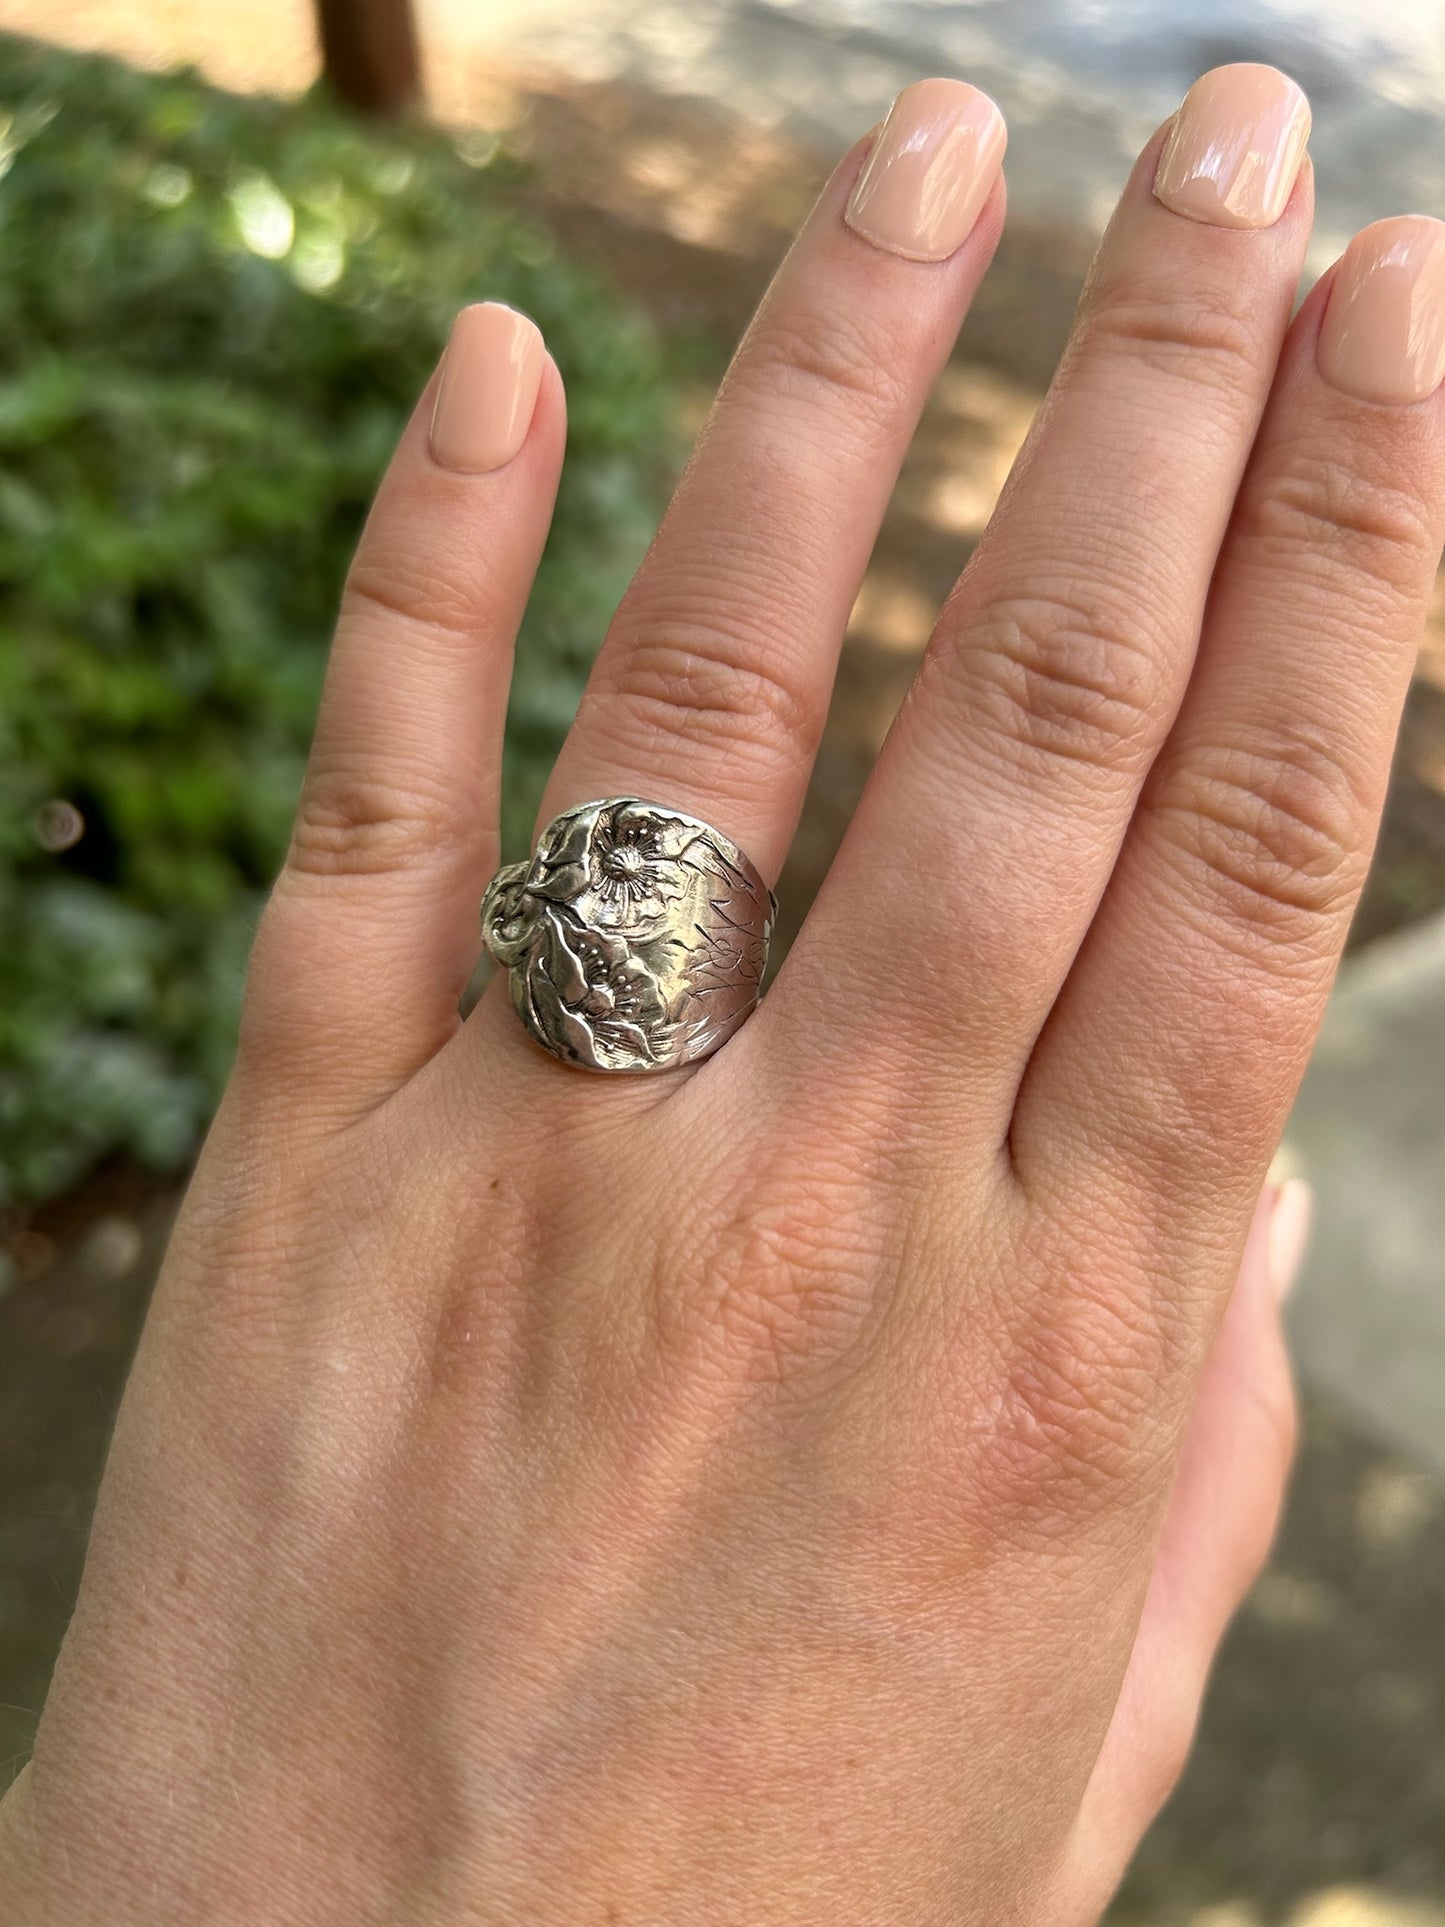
(1174, 1054)
(995, 814)
(711, 688)
(1217, 1534)
(371, 931)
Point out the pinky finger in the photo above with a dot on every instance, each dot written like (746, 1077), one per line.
(1217, 1535)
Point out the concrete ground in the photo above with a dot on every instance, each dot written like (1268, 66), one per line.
(1317, 1794)
(1369, 1129)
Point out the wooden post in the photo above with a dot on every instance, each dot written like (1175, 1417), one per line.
(369, 52)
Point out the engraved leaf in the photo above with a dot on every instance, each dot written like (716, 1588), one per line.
(564, 965)
(560, 885)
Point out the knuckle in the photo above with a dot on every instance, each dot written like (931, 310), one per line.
(1279, 1408)
(1276, 1417)
(397, 588)
(353, 824)
(1055, 677)
(1209, 336)
(1311, 501)
(708, 683)
(1166, 1745)
(834, 360)
(1076, 1420)
(778, 1288)
(1271, 826)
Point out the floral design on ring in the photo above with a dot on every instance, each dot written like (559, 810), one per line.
(636, 937)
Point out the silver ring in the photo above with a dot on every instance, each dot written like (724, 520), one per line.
(636, 937)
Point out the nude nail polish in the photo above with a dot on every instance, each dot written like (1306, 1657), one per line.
(490, 375)
(1235, 147)
(930, 171)
(1382, 337)
(1289, 1232)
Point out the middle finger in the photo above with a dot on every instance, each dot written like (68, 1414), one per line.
(993, 819)
(711, 688)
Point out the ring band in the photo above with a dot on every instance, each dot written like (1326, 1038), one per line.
(636, 937)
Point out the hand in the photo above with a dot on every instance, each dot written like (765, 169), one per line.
(754, 1494)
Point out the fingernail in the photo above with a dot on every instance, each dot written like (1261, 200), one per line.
(1383, 333)
(935, 159)
(489, 380)
(1235, 148)
(1289, 1234)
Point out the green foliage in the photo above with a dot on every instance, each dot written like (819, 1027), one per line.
(214, 316)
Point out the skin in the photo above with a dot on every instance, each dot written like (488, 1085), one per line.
(813, 1486)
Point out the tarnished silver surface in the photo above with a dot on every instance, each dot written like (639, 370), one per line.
(636, 937)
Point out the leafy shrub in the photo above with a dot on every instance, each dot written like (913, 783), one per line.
(214, 316)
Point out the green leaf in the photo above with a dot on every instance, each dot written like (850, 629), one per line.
(215, 316)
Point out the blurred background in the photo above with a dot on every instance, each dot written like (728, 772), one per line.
(231, 241)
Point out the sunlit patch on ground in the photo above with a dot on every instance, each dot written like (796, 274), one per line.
(1339, 1907)
(1394, 1504)
(1366, 1907)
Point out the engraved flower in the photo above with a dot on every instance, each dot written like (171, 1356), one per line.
(632, 875)
(622, 1005)
(587, 996)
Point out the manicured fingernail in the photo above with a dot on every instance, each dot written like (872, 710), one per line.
(1289, 1234)
(1235, 148)
(489, 380)
(1383, 333)
(935, 159)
